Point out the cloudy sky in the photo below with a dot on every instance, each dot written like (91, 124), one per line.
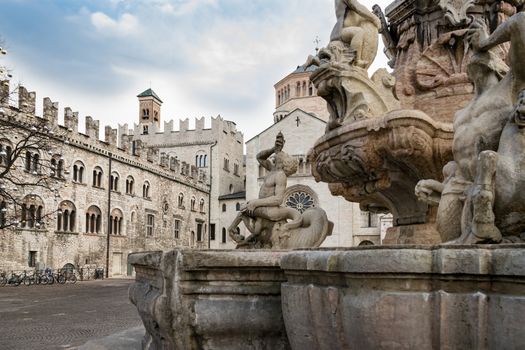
(202, 57)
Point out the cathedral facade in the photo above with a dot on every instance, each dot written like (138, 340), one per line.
(301, 116)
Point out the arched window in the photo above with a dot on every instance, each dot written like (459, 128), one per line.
(238, 206)
(310, 90)
(32, 162)
(113, 181)
(97, 177)
(181, 200)
(116, 217)
(5, 152)
(93, 220)
(201, 205)
(192, 204)
(32, 212)
(223, 207)
(78, 172)
(223, 235)
(298, 89)
(231, 188)
(129, 184)
(304, 88)
(3, 214)
(66, 217)
(200, 159)
(366, 242)
(145, 189)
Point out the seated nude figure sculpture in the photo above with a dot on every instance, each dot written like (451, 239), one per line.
(482, 199)
(267, 207)
(359, 28)
(267, 219)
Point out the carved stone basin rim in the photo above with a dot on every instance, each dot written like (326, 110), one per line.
(393, 119)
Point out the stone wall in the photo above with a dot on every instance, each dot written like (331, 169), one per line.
(55, 247)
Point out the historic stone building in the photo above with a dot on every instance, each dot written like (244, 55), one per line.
(301, 116)
(216, 151)
(143, 199)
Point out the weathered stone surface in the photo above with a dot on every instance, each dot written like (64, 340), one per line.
(411, 297)
(267, 217)
(190, 299)
(481, 200)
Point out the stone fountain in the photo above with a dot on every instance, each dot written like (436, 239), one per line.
(389, 145)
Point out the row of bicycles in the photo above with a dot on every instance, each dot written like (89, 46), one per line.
(48, 276)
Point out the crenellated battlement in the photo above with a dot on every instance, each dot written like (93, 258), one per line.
(119, 142)
(184, 135)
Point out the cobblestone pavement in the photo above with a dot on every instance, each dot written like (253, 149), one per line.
(64, 316)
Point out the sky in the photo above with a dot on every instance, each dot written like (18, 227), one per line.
(202, 57)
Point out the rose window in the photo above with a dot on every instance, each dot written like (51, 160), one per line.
(300, 201)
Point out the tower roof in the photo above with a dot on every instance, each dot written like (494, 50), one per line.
(149, 93)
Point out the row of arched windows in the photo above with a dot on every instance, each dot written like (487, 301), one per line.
(201, 160)
(302, 89)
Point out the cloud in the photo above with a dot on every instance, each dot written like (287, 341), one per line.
(127, 24)
(185, 7)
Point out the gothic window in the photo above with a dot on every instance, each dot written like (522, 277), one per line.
(129, 184)
(192, 204)
(201, 205)
(113, 181)
(116, 218)
(66, 217)
(150, 224)
(97, 177)
(78, 172)
(32, 212)
(181, 201)
(223, 235)
(145, 190)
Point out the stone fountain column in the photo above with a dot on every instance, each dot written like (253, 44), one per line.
(389, 131)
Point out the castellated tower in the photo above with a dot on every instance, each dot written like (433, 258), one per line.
(149, 110)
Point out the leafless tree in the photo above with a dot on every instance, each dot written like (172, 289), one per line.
(30, 162)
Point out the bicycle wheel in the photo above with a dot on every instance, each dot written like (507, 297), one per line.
(50, 279)
(27, 281)
(44, 279)
(61, 279)
(73, 279)
(3, 280)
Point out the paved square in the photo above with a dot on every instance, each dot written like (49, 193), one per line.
(64, 316)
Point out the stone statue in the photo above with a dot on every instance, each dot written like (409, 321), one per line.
(267, 219)
(358, 27)
(482, 199)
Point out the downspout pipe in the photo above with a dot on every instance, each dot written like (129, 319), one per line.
(110, 157)
(209, 194)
